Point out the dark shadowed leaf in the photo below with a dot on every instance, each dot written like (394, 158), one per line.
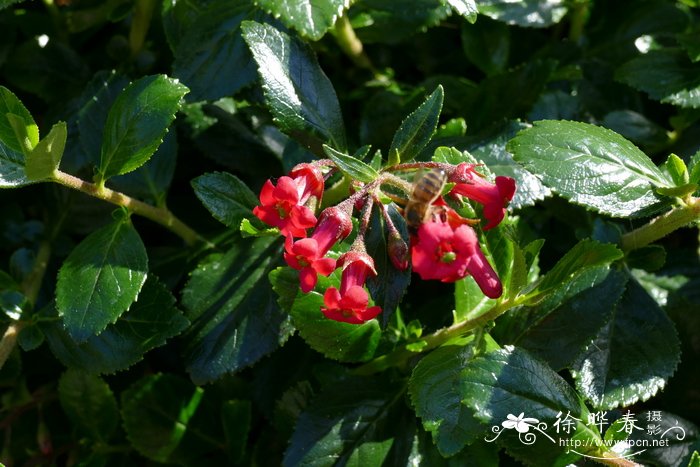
(466, 8)
(235, 318)
(226, 197)
(527, 13)
(89, 403)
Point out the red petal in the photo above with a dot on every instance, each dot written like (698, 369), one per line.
(306, 247)
(307, 279)
(324, 266)
(506, 186)
(266, 197)
(286, 190)
(356, 297)
(370, 313)
(332, 298)
(302, 217)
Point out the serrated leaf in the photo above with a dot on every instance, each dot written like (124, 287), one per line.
(349, 423)
(298, 93)
(675, 167)
(43, 161)
(98, 97)
(350, 166)
(632, 356)
(418, 127)
(211, 57)
(338, 341)
(148, 323)
(694, 460)
(101, 278)
(89, 403)
(435, 393)
(527, 13)
(584, 255)
(11, 148)
(466, 8)
(226, 197)
(30, 337)
(666, 75)
(157, 411)
(137, 123)
(694, 167)
(589, 165)
(235, 319)
(681, 437)
(588, 301)
(312, 18)
(389, 285)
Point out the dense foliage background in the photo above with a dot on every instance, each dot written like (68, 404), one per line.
(179, 110)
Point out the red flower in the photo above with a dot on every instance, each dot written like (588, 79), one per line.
(494, 198)
(307, 255)
(448, 252)
(283, 206)
(349, 304)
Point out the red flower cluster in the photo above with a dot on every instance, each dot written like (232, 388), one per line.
(285, 206)
(494, 198)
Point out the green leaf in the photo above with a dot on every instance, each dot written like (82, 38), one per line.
(45, 158)
(26, 133)
(632, 356)
(157, 411)
(589, 165)
(470, 301)
(694, 459)
(666, 75)
(486, 44)
(235, 319)
(30, 337)
(226, 197)
(101, 278)
(588, 301)
(137, 122)
(210, 56)
(298, 93)
(150, 321)
(11, 148)
(694, 167)
(98, 97)
(527, 13)
(89, 403)
(682, 439)
(338, 341)
(418, 127)
(466, 8)
(649, 258)
(350, 166)
(691, 43)
(435, 394)
(675, 167)
(635, 127)
(584, 255)
(388, 287)
(312, 18)
(349, 423)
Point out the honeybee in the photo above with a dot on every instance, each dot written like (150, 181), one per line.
(426, 189)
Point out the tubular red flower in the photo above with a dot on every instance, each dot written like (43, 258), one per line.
(349, 304)
(283, 206)
(334, 224)
(449, 252)
(304, 255)
(494, 197)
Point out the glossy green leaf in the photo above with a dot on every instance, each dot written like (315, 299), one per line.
(312, 18)
(588, 301)
(466, 8)
(435, 394)
(235, 318)
(470, 301)
(157, 412)
(45, 158)
(89, 403)
(338, 341)
(391, 22)
(27, 134)
(11, 148)
(418, 127)
(694, 168)
(226, 197)
(350, 166)
(527, 13)
(349, 423)
(211, 57)
(97, 99)
(298, 93)
(666, 75)
(584, 255)
(633, 355)
(677, 170)
(589, 165)
(148, 323)
(694, 460)
(101, 278)
(137, 123)
(388, 287)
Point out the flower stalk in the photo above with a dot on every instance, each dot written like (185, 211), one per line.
(661, 226)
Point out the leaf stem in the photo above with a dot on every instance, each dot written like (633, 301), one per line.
(32, 283)
(350, 44)
(401, 355)
(161, 215)
(9, 340)
(141, 20)
(579, 16)
(662, 225)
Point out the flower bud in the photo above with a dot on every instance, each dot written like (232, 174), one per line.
(398, 251)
